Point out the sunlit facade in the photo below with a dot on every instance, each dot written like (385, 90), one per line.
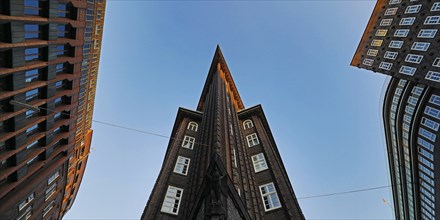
(49, 58)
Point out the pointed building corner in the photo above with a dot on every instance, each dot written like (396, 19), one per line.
(219, 68)
(217, 198)
(222, 162)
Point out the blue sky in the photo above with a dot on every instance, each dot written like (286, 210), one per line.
(290, 56)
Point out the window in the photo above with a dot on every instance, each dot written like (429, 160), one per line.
(53, 177)
(259, 162)
(31, 54)
(252, 139)
(49, 192)
(425, 133)
(376, 43)
(435, 99)
(372, 52)
(413, 9)
(436, 62)
(172, 199)
(59, 68)
(182, 165)
(391, 11)
(62, 10)
(385, 65)
(270, 197)
(32, 7)
(368, 62)
(390, 55)
(188, 142)
(413, 58)
(432, 20)
(31, 75)
(58, 85)
(386, 22)
(381, 32)
(31, 31)
(401, 33)
(435, 6)
(193, 126)
(420, 46)
(407, 21)
(430, 123)
(396, 44)
(61, 30)
(32, 145)
(26, 215)
(425, 144)
(427, 33)
(31, 95)
(89, 15)
(432, 112)
(248, 124)
(433, 76)
(392, 2)
(32, 130)
(48, 208)
(26, 201)
(61, 50)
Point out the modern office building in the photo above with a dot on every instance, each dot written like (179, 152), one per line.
(49, 58)
(402, 40)
(222, 161)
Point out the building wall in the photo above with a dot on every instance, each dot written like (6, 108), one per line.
(41, 59)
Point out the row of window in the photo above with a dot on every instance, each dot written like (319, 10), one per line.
(27, 201)
(410, 9)
(173, 197)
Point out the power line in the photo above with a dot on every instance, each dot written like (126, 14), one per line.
(345, 192)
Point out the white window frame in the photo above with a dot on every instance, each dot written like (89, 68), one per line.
(48, 208)
(407, 70)
(435, 6)
(26, 201)
(188, 142)
(193, 126)
(413, 9)
(168, 204)
(385, 65)
(182, 165)
(259, 162)
(269, 195)
(401, 33)
(248, 124)
(26, 214)
(433, 76)
(376, 43)
(53, 177)
(252, 140)
(390, 55)
(396, 44)
(430, 20)
(386, 22)
(381, 32)
(413, 58)
(392, 2)
(420, 46)
(372, 52)
(427, 33)
(407, 21)
(391, 11)
(368, 62)
(50, 191)
(436, 62)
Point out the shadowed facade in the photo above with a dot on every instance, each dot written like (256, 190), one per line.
(222, 161)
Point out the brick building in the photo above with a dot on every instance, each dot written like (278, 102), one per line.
(49, 57)
(402, 40)
(222, 161)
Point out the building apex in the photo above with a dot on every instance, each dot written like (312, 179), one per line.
(218, 64)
